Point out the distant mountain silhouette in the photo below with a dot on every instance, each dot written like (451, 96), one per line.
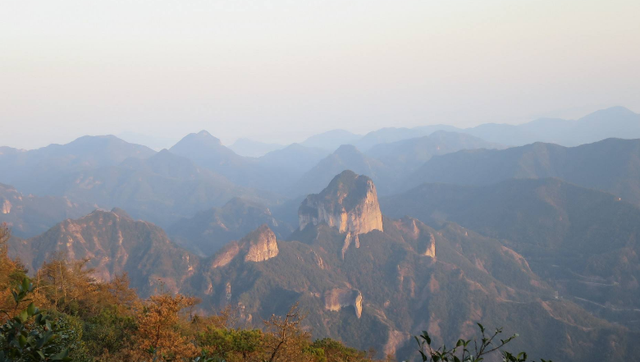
(612, 165)
(161, 189)
(331, 140)
(615, 122)
(406, 156)
(346, 157)
(250, 148)
(294, 159)
(210, 230)
(207, 152)
(32, 171)
(392, 134)
(388, 164)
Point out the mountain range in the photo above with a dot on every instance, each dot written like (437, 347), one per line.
(32, 171)
(492, 224)
(581, 241)
(30, 215)
(611, 165)
(371, 280)
(614, 122)
(209, 230)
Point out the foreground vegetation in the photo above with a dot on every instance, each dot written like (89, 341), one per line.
(64, 314)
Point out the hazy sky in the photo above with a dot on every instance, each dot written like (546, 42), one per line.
(282, 70)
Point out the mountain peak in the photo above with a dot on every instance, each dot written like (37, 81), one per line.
(350, 203)
(121, 213)
(259, 245)
(202, 138)
(206, 137)
(347, 150)
(609, 114)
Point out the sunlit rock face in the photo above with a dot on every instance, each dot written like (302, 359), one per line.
(5, 207)
(418, 234)
(259, 245)
(225, 255)
(349, 203)
(112, 243)
(338, 298)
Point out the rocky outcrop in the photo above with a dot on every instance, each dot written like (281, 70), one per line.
(430, 246)
(349, 203)
(31, 215)
(6, 207)
(338, 298)
(348, 239)
(210, 230)
(419, 234)
(259, 245)
(224, 256)
(113, 243)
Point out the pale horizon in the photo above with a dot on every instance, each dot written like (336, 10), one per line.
(279, 72)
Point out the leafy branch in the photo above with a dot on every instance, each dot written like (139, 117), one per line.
(462, 351)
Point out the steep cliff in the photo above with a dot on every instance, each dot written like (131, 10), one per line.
(349, 203)
(210, 230)
(114, 243)
(259, 245)
(338, 298)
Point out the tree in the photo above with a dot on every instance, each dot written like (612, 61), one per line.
(158, 334)
(462, 351)
(285, 339)
(29, 336)
(11, 275)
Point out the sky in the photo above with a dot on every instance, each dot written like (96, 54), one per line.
(281, 70)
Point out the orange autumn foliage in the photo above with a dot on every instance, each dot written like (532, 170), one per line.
(159, 329)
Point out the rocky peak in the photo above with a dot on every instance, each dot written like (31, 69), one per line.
(5, 208)
(259, 245)
(121, 213)
(338, 298)
(113, 244)
(349, 203)
(420, 235)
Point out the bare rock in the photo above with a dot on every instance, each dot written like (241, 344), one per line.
(338, 298)
(349, 203)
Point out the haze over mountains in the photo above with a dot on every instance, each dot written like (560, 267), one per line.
(611, 165)
(531, 227)
(371, 281)
(615, 122)
(583, 242)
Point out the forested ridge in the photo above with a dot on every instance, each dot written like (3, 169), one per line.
(62, 313)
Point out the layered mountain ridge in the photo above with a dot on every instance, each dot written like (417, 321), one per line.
(404, 276)
(114, 243)
(611, 165)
